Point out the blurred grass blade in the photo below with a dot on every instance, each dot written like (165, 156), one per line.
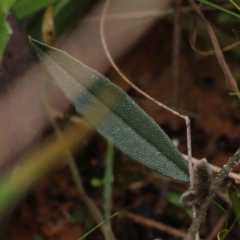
(233, 195)
(113, 113)
(107, 192)
(174, 199)
(15, 184)
(219, 8)
(93, 209)
(5, 33)
(5, 29)
(231, 82)
(60, 5)
(85, 235)
(24, 8)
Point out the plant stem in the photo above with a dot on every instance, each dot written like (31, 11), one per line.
(176, 57)
(107, 192)
(217, 182)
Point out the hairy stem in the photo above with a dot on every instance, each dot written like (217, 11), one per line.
(217, 182)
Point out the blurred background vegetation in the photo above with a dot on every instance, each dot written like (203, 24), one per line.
(46, 196)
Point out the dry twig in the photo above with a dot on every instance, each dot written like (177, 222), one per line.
(153, 224)
(217, 169)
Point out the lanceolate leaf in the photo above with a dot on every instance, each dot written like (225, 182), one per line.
(113, 113)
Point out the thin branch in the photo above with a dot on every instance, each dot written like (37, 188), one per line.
(217, 169)
(231, 82)
(217, 228)
(190, 165)
(153, 224)
(217, 182)
(235, 159)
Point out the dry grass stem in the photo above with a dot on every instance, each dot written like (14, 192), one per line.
(153, 224)
(187, 120)
(218, 52)
(192, 40)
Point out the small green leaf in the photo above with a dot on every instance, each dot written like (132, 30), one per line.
(113, 113)
(227, 18)
(5, 33)
(5, 5)
(174, 199)
(96, 182)
(59, 6)
(5, 29)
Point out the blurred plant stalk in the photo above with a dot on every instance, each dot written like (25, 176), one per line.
(40, 162)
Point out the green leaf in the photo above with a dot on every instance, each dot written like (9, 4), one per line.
(219, 8)
(113, 113)
(5, 33)
(67, 12)
(5, 29)
(5, 5)
(233, 195)
(174, 199)
(24, 8)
